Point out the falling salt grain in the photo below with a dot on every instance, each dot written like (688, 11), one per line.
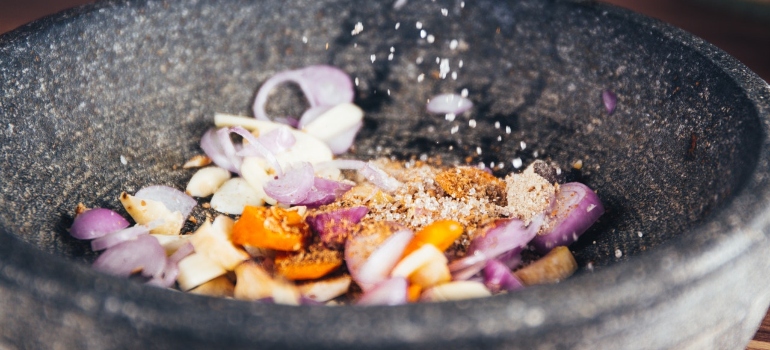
(454, 129)
(357, 29)
(640, 234)
(372, 57)
(523, 145)
(123, 160)
(418, 25)
(356, 81)
(444, 12)
(499, 138)
(618, 253)
(590, 266)
(418, 60)
(390, 57)
(472, 123)
(392, 49)
(431, 39)
(419, 78)
(450, 117)
(507, 129)
(517, 163)
(497, 125)
(443, 68)
(481, 166)
(460, 64)
(453, 44)
(535, 154)
(454, 75)
(398, 25)
(464, 93)
(423, 34)
(388, 92)
(304, 39)
(478, 150)
(462, 4)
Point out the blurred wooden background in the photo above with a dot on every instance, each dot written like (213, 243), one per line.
(740, 27)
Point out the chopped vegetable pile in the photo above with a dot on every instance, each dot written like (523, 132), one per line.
(297, 226)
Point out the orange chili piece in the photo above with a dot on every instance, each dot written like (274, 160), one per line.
(314, 262)
(441, 234)
(272, 228)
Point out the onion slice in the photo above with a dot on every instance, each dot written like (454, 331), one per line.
(498, 277)
(213, 145)
(449, 104)
(143, 254)
(277, 140)
(370, 259)
(504, 236)
(255, 148)
(388, 292)
(610, 100)
(324, 191)
(293, 186)
(97, 222)
(118, 237)
(322, 85)
(173, 199)
(576, 207)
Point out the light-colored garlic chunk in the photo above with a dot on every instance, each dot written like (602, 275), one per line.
(146, 211)
(171, 242)
(220, 287)
(254, 171)
(325, 289)
(456, 290)
(335, 122)
(206, 181)
(252, 282)
(233, 195)
(418, 258)
(197, 269)
(214, 242)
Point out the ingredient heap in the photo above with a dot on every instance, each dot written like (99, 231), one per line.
(301, 227)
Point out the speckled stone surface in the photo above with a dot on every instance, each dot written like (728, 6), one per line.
(678, 260)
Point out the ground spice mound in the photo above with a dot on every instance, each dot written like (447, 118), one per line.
(466, 181)
(528, 194)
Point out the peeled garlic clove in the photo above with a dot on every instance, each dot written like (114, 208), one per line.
(254, 171)
(235, 194)
(325, 289)
(197, 269)
(206, 181)
(418, 258)
(431, 274)
(252, 282)
(219, 287)
(146, 211)
(171, 242)
(456, 290)
(214, 242)
(340, 123)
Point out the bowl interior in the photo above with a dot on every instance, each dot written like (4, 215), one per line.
(141, 81)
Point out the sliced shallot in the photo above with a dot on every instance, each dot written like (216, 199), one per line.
(143, 254)
(293, 186)
(610, 100)
(118, 237)
(322, 85)
(388, 292)
(498, 277)
(371, 255)
(97, 222)
(576, 207)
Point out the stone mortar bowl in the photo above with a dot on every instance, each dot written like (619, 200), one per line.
(678, 261)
